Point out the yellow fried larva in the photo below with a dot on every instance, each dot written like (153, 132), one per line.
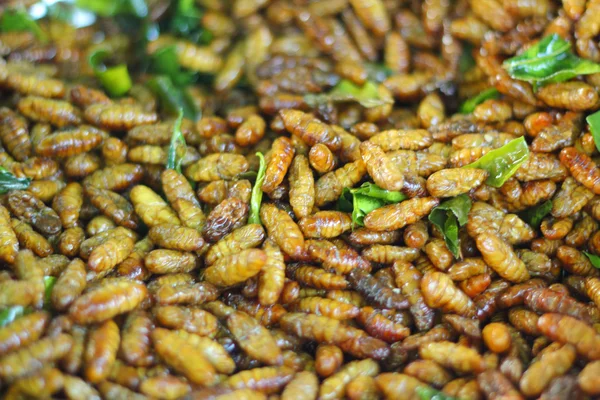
(56, 112)
(381, 168)
(282, 230)
(118, 117)
(217, 166)
(454, 181)
(395, 216)
(302, 187)
(151, 208)
(236, 268)
(440, 292)
(9, 244)
(501, 257)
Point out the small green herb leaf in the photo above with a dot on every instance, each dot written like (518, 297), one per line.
(9, 314)
(49, 282)
(366, 198)
(172, 98)
(448, 217)
(428, 393)
(466, 60)
(10, 182)
(115, 80)
(594, 123)
(185, 22)
(469, 106)
(367, 95)
(21, 21)
(534, 216)
(257, 193)
(111, 8)
(165, 62)
(594, 259)
(177, 147)
(550, 60)
(502, 163)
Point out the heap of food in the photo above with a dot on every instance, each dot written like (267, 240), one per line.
(293, 199)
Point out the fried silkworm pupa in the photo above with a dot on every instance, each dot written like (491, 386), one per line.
(328, 358)
(454, 356)
(396, 216)
(381, 168)
(118, 117)
(281, 156)
(23, 331)
(310, 129)
(136, 346)
(334, 386)
(325, 224)
(440, 292)
(56, 112)
(566, 329)
(375, 291)
(230, 214)
(283, 230)
(175, 237)
(9, 244)
(254, 339)
(15, 134)
(190, 319)
(236, 268)
(267, 380)
(69, 285)
(151, 208)
(101, 351)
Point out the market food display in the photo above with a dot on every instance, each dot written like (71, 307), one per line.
(300, 199)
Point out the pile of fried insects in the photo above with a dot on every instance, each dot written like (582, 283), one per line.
(300, 199)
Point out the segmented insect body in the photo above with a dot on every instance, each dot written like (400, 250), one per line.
(381, 168)
(499, 256)
(14, 134)
(23, 331)
(113, 205)
(101, 351)
(217, 166)
(69, 285)
(582, 168)
(282, 154)
(181, 196)
(440, 292)
(309, 129)
(254, 339)
(408, 279)
(454, 181)
(236, 268)
(69, 143)
(282, 230)
(566, 329)
(395, 216)
(136, 347)
(56, 112)
(118, 117)
(30, 209)
(9, 244)
(106, 301)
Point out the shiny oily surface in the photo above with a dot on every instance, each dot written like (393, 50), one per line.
(177, 284)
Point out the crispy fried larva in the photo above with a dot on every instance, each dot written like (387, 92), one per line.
(151, 208)
(180, 195)
(165, 387)
(342, 259)
(316, 277)
(183, 356)
(374, 290)
(69, 285)
(379, 326)
(76, 388)
(116, 177)
(235, 268)
(391, 140)
(321, 158)
(454, 356)
(267, 380)
(583, 169)
(440, 292)
(9, 243)
(328, 358)
(135, 340)
(23, 331)
(333, 387)
(282, 153)
(56, 112)
(272, 277)
(282, 230)
(408, 279)
(574, 96)
(254, 339)
(325, 224)
(304, 386)
(30, 209)
(309, 129)
(428, 371)
(454, 181)
(329, 187)
(69, 143)
(501, 258)
(27, 360)
(15, 134)
(176, 237)
(217, 166)
(106, 301)
(543, 300)
(118, 117)
(302, 187)
(396, 216)
(113, 205)
(107, 255)
(185, 293)
(566, 329)
(496, 337)
(547, 367)
(101, 351)
(381, 168)
(327, 307)
(395, 385)
(245, 237)
(42, 384)
(190, 319)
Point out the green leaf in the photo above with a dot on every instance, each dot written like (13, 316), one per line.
(550, 60)
(448, 217)
(469, 106)
(594, 259)
(345, 91)
(428, 393)
(111, 8)
(177, 148)
(115, 80)
(165, 62)
(10, 182)
(9, 314)
(378, 72)
(185, 22)
(366, 198)
(172, 98)
(502, 163)
(533, 216)
(21, 21)
(257, 193)
(593, 121)
(49, 282)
